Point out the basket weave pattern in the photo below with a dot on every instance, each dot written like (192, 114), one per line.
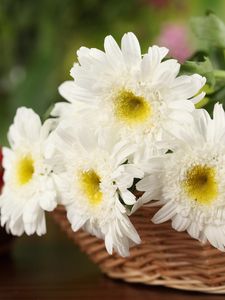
(165, 256)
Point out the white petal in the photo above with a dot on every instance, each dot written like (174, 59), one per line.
(165, 213)
(156, 54)
(31, 210)
(20, 130)
(131, 49)
(186, 105)
(166, 72)
(71, 92)
(219, 122)
(139, 203)
(77, 221)
(48, 201)
(122, 151)
(180, 223)
(41, 224)
(113, 52)
(181, 116)
(198, 98)
(30, 228)
(215, 236)
(148, 183)
(61, 109)
(128, 197)
(194, 230)
(129, 230)
(109, 243)
(133, 171)
(16, 228)
(187, 86)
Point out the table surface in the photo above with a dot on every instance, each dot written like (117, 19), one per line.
(52, 267)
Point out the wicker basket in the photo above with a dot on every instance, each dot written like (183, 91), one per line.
(165, 257)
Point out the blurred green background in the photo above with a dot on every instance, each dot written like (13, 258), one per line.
(39, 39)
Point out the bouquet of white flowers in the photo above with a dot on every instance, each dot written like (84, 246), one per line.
(132, 135)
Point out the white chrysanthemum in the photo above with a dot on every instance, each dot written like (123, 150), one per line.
(28, 187)
(192, 181)
(95, 179)
(140, 94)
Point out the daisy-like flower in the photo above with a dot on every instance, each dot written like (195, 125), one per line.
(28, 189)
(192, 180)
(94, 183)
(140, 94)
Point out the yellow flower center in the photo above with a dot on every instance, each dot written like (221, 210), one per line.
(132, 109)
(90, 185)
(24, 170)
(200, 184)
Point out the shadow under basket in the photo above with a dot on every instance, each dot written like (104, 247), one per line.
(165, 256)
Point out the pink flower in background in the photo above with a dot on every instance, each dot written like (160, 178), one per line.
(175, 38)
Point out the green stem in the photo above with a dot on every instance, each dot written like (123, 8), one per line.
(219, 74)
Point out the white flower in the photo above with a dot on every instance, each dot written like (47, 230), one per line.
(192, 181)
(139, 94)
(28, 187)
(95, 179)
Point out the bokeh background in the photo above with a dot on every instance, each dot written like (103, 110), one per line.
(39, 39)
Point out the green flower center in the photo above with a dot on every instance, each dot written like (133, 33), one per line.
(24, 170)
(200, 184)
(132, 109)
(90, 186)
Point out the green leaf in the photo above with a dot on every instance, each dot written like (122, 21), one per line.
(203, 68)
(219, 96)
(209, 29)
